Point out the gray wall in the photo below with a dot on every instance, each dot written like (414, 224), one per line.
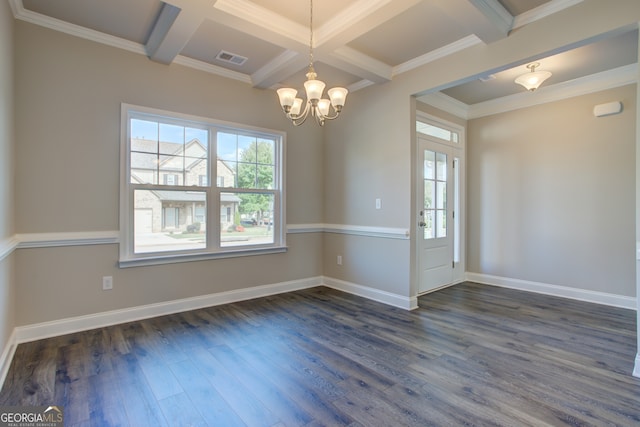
(551, 194)
(67, 126)
(67, 175)
(373, 145)
(7, 285)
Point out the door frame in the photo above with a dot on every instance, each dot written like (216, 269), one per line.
(459, 152)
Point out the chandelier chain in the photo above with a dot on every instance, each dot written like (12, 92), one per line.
(311, 35)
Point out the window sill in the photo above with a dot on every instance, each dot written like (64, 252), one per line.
(177, 258)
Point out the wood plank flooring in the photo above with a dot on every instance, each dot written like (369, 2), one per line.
(471, 355)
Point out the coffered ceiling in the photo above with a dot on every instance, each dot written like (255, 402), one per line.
(357, 43)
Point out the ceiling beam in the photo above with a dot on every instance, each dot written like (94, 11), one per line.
(284, 65)
(172, 31)
(354, 21)
(487, 19)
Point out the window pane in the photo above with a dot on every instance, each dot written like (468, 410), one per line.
(266, 151)
(247, 175)
(171, 138)
(146, 133)
(246, 219)
(265, 177)
(246, 147)
(441, 219)
(428, 228)
(171, 170)
(172, 150)
(169, 221)
(429, 194)
(144, 145)
(144, 168)
(441, 167)
(227, 172)
(434, 131)
(429, 164)
(441, 195)
(227, 146)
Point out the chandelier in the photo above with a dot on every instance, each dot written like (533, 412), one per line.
(316, 106)
(532, 81)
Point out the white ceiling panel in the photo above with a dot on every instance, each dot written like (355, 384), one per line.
(413, 33)
(211, 38)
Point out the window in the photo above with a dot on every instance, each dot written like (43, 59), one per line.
(437, 132)
(170, 179)
(169, 212)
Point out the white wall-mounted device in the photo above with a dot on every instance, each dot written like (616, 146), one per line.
(607, 109)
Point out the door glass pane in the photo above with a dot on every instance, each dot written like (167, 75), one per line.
(441, 195)
(435, 194)
(441, 167)
(441, 223)
(429, 164)
(428, 228)
(429, 194)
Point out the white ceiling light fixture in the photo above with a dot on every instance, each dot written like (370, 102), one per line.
(532, 81)
(316, 106)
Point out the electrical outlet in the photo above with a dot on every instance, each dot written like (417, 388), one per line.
(339, 260)
(107, 283)
(378, 203)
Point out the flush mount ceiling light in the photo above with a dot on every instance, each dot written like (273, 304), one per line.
(532, 81)
(316, 106)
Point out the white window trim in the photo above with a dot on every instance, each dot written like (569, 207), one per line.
(127, 257)
(444, 124)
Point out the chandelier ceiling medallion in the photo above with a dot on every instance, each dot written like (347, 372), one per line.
(315, 105)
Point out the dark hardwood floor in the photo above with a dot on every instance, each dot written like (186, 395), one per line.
(471, 355)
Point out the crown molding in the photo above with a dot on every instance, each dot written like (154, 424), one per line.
(543, 11)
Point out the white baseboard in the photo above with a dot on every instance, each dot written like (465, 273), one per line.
(7, 357)
(406, 303)
(556, 290)
(99, 320)
(636, 368)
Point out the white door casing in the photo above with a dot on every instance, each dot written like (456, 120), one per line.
(439, 204)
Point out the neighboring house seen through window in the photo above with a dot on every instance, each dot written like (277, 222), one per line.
(168, 209)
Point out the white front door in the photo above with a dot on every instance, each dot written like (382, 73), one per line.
(435, 215)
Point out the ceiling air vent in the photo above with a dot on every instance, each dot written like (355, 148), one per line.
(231, 58)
